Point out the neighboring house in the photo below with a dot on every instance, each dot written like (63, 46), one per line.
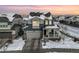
(61, 17)
(5, 30)
(4, 23)
(76, 19)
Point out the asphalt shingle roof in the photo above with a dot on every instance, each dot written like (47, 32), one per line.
(4, 19)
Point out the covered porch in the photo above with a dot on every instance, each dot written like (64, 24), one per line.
(51, 32)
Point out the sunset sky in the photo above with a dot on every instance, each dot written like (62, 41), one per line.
(54, 9)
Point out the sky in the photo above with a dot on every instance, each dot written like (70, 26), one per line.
(54, 9)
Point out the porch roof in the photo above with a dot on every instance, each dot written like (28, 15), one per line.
(51, 27)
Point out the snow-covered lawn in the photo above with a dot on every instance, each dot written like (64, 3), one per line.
(74, 31)
(16, 45)
(68, 42)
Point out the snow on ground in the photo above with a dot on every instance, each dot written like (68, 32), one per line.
(16, 45)
(67, 43)
(74, 31)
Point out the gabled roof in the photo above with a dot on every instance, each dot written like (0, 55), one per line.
(4, 19)
(52, 27)
(36, 18)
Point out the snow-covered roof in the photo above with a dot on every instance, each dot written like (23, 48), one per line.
(49, 17)
(52, 27)
(35, 17)
(41, 17)
(25, 18)
(8, 15)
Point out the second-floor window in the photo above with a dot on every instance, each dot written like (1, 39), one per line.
(35, 23)
(46, 22)
(50, 22)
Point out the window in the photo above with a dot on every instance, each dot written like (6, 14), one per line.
(51, 32)
(0, 25)
(50, 22)
(3, 25)
(46, 22)
(35, 23)
(56, 34)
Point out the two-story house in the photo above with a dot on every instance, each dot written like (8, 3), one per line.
(39, 27)
(5, 30)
